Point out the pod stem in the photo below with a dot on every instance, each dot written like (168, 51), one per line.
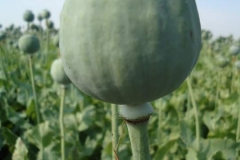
(33, 88)
(41, 37)
(47, 47)
(40, 24)
(114, 131)
(195, 113)
(137, 118)
(35, 100)
(61, 122)
(238, 126)
(47, 40)
(28, 26)
(159, 102)
(138, 134)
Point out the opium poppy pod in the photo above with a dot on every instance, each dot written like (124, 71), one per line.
(58, 74)
(234, 50)
(46, 14)
(39, 17)
(29, 44)
(28, 16)
(50, 24)
(129, 52)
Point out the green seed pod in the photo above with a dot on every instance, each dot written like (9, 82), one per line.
(129, 52)
(28, 16)
(34, 27)
(222, 62)
(234, 50)
(58, 74)
(46, 14)
(29, 44)
(39, 17)
(49, 24)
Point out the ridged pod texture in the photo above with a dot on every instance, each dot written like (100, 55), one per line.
(129, 51)
(29, 44)
(58, 74)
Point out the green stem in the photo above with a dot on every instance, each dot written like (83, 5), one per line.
(28, 26)
(138, 134)
(114, 131)
(159, 120)
(46, 54)
(41, 40)
(238, 126)
(33, 88)
(82, 105)
(41, 29)
(188, 103)
(26, 93)
(61, 123)
(36, 101)
(195, 113)
(137, 118)
(73, 93)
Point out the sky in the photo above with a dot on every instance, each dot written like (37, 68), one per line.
(221, 17)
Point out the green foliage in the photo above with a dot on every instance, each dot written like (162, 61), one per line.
(88, 121)
(20, 152)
